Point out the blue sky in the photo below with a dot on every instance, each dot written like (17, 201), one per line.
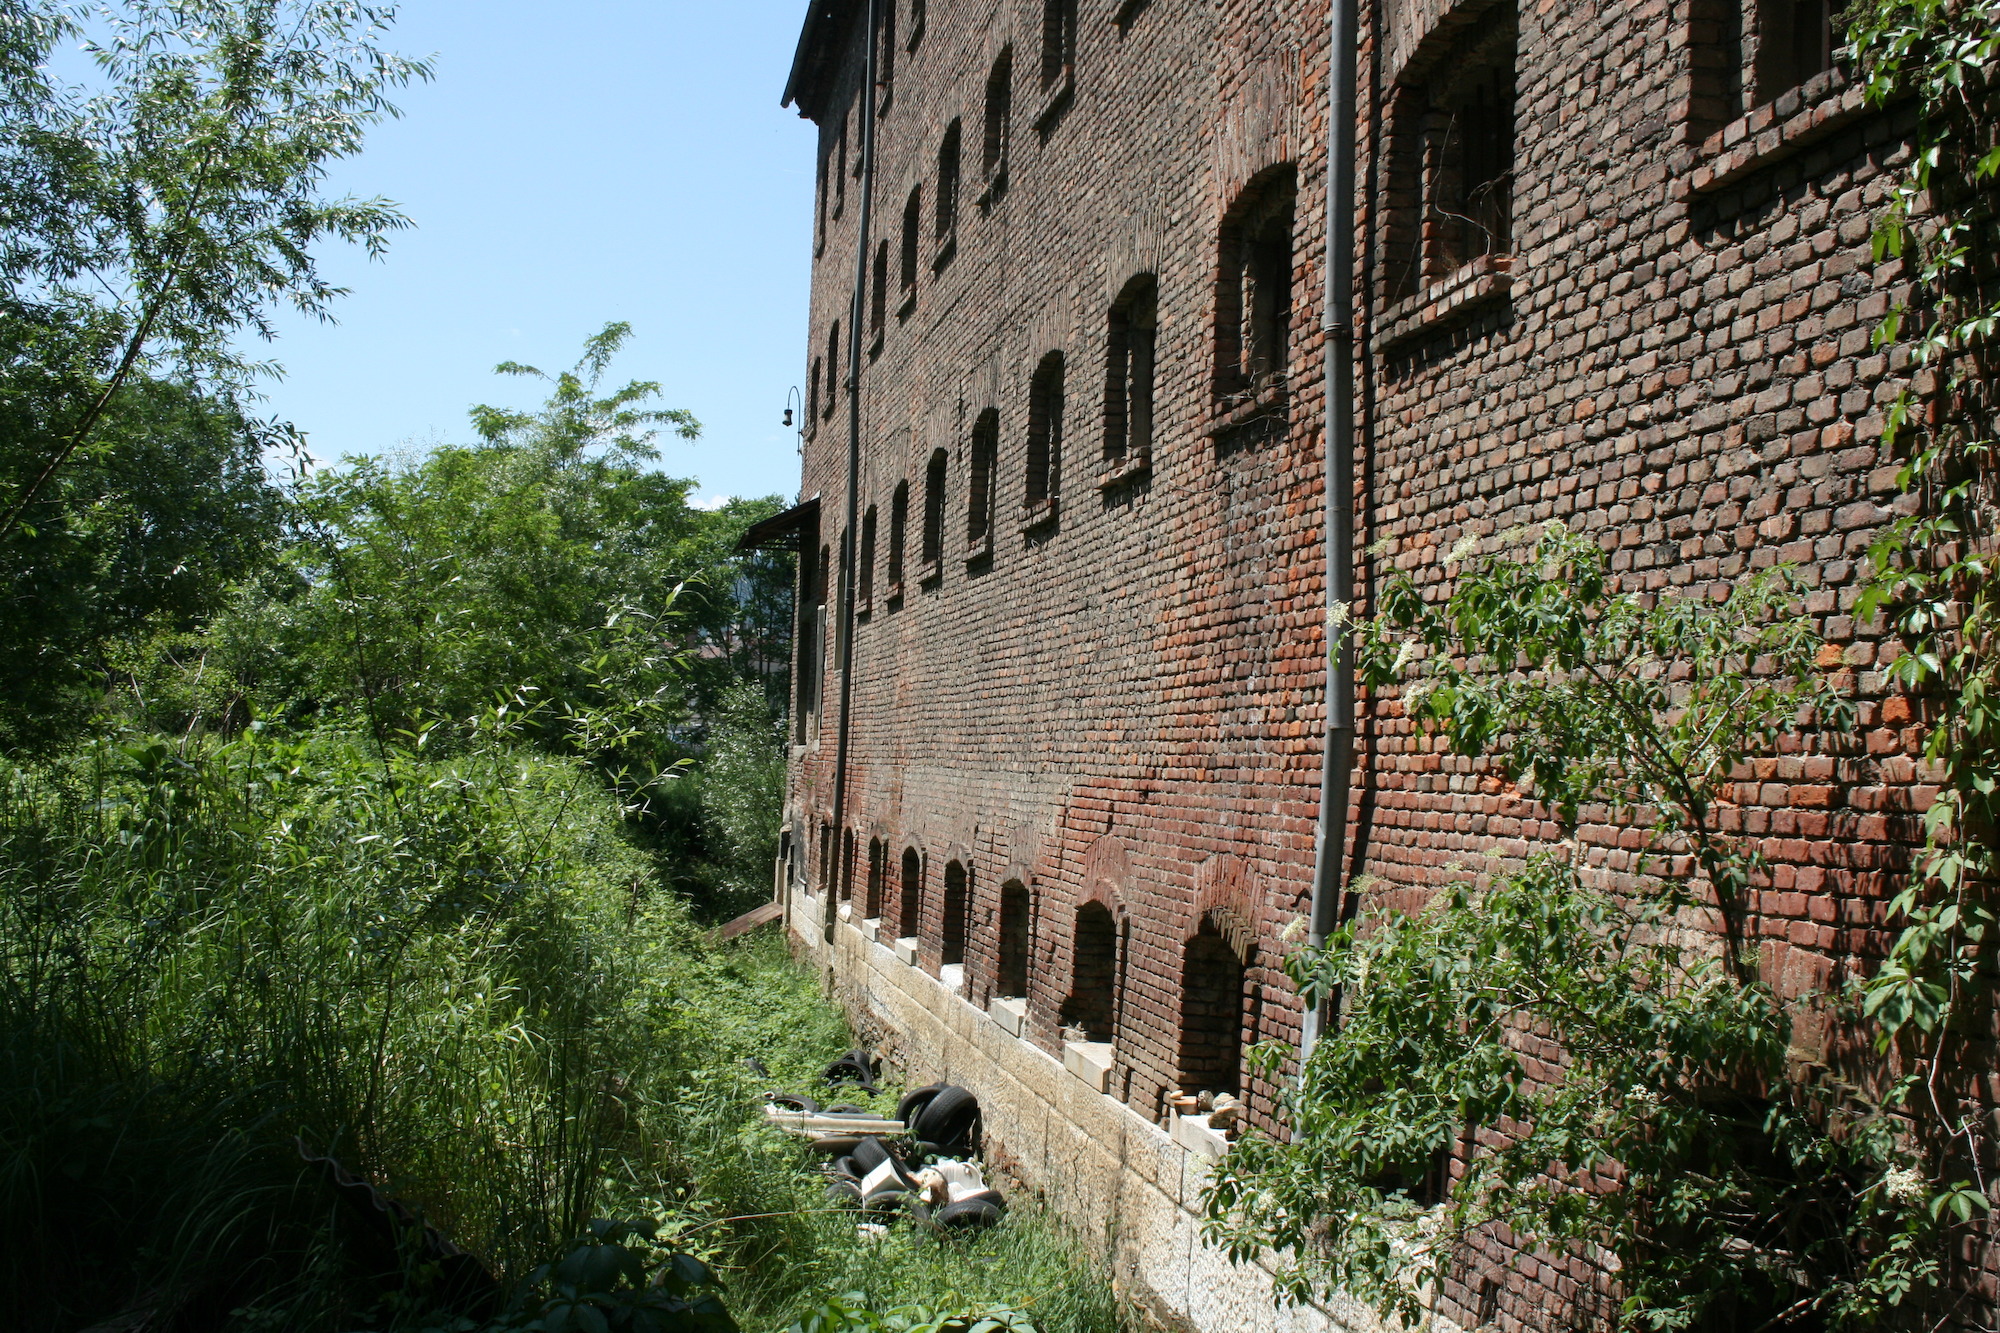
(574, 163)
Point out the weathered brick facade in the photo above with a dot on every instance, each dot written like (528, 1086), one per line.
(1089, 661)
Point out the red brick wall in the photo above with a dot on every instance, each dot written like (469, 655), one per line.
(1124, 706)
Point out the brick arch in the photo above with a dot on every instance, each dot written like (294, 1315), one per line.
(1260, 127)
(1105, 868)
(1228, 901)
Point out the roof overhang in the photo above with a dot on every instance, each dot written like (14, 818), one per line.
(818, 56)
(781, 532)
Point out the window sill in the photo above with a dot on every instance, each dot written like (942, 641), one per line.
(996, 185)
(1128, 11)
(875, 345)
(1039, 515)
(980, 550)
(1776, 130)
(864, 606)
(1486, 279)
(930, 573)
(1239, 411)
(1057, 101)
(947, 251)
(1138, 463)
(916, 38)
(909, 306)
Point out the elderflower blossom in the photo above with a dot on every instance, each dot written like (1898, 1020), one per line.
(1904, 1185)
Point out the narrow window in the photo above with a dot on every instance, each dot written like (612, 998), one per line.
(847, 865)
(1451, 170)
(1128, 388)
(910, 901)
(913, 229)
(825, 858)
(1091, 1007)
(819, 228)
(1796, 40)
(957, 911)
(866, 596)
(1254, 306)
(1211, 1015)
(812, 390)
(885, 60)
(811, 620)
(1045, 427)
(947, 196)
(832, 369)
(1010, 978)
(824, 578)
(916, 24)
(878, 307)
(1715, 65)
(840, 169)
(999, 115)
(899, 528)
(985, 459)
(933, 548)
(878, 870)
(1058, 41)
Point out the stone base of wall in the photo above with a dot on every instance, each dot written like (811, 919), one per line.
(1127, 1187)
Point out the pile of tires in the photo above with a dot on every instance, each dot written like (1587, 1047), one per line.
(928, 1173)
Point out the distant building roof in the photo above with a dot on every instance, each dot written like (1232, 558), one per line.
(781, 532)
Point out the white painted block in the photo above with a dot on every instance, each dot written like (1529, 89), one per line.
(907, 951)
(1091, 1062)
(1192, 1132)
(952, 976)
(847, 911)
(870, 928)
(1011, 1015)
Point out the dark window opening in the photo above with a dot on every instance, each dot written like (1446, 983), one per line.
(933, 539)
(1091, 1006)
(825, 857)
(865, 598)
(878, 871)
(985, 458)
(1715, 58)
(899, 527)
(916, 24)
(947, 195)
(1452, 166)
(910, 899)
(999, 115)
(840, 168)
(1254, 292)
(957, 913)
(1058, 40)
(1796, 40)
(1045, 430)
(832, 369)
(878, 305)
(885, 59)
(811, 617)
(1128, 389)
(1010, 979)
(847, 865)
(819, 226)
(913, 227)
(812, 390)
(1211, 1015)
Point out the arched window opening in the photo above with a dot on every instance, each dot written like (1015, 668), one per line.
(899, 529)
(1092, 1004)
(885, 59)
(1796, 39)
(847, 865)
(812, 391)
(910, 898)
(1211, 1015)
(916, 24)
(957, 914)
(947, 196)
(840, 169)
(832, 369)
(1010, 978)
(1451, 158)
(1128, 388)
(913, 231)
(878, 299)
(1045, 429)
(984, 460)
(878, 871)
(1254, 306)
(826, 861)
(933, 539)
(999, 125)
(1058, 41)
(864, 600)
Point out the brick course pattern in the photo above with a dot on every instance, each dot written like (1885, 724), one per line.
(1100, 677)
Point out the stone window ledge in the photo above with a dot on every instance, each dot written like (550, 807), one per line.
(906, 949)
(930, 572)
(1091, 1061)
(1056, 101)
(1238, 411)
(982, 549)
(892, 596)
(947, 251)
(909, 305)
(1038, 515)
(875, 344)
(1011, 1013)
(1136, 464)
(1776, 130)
(996, 185)
(1487, 278)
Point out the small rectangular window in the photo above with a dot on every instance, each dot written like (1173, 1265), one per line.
(1254, 309)
(865, 595)
(947, 196)
(1045, 428)
(885, 60)
(840, 169)
(899, 529)
(832, 369)
(1796, 40)
(878, 298)
(999, 114)
(1058, 41)
(917, 8)
(985, 459)
(1129, 366)
(913, 228)
(933, 547)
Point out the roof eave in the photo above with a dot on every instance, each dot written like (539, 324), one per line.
(825, 25)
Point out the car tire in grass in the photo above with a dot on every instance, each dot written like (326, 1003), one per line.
(970, 1214)
(950, 1119)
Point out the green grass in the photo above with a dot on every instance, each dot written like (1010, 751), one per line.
(460, 977)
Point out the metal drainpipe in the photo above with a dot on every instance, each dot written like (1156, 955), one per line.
(856, 313)
(1337, 764)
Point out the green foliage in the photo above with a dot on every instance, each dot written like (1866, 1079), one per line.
(852, 1314)
(742, 785)
(605, 1284)
(1606, 1075)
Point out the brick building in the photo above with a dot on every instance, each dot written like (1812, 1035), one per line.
(1613, 268)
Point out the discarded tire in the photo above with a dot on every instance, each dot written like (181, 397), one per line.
(838, 1145)
(857, 1066)
(844, 1192)
(950, 1120)
(845, 1169)
(969, 1214)
(913, 1103)
(786, 1099)
(867, 1155)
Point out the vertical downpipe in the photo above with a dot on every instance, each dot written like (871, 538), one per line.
(1337, 764)
(856, 313)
